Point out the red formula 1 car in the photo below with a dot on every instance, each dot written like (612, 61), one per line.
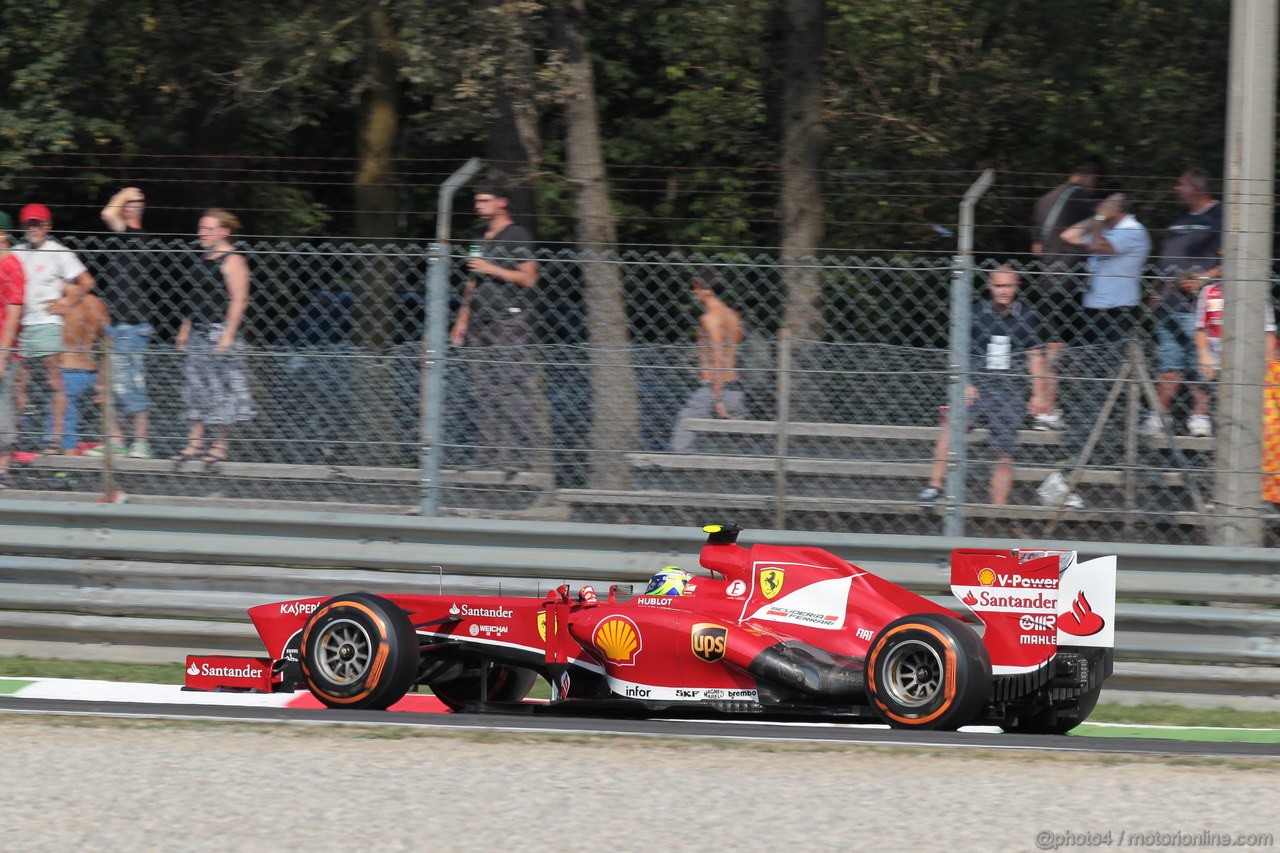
(772, 631)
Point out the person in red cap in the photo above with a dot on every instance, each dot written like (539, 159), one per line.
(12, 287)
(56, 280)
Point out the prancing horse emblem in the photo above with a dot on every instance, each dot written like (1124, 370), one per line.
(771, 582)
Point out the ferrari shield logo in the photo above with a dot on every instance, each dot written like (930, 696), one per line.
(771, 581)
(708, 641)
(542, 625)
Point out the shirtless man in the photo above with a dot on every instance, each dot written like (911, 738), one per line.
(84, 326)
(719, 333)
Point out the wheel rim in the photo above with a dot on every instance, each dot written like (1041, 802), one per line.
(343, 651)
(913, 673)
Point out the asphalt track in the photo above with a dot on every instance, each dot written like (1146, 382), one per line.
(664, 728)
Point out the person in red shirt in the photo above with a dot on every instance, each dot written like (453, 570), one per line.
(12, 290)
(1209, 331)
(1209, 349)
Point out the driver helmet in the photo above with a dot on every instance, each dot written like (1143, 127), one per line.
(668, 580)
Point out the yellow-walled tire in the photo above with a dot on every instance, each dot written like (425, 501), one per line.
(928, 672)
(359, 651)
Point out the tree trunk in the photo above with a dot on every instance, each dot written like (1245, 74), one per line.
(614, 421)
(379, 127)
(514, 146)
(802, 153)
(375, 218)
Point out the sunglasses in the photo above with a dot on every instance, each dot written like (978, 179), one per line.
(36, 223)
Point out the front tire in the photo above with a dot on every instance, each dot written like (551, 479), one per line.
(359, 651)
(928, 672)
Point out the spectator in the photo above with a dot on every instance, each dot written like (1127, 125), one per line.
(720, 331)
(56, 281)
(1060, 284)
(1271, 431)
(1003, 330)
(1189, 258)
(130, 328)
(217, 389)
(1209, 306)
(12, 287)
(82, 331)
(494, 321)
(1208, 331)
(1118, 247)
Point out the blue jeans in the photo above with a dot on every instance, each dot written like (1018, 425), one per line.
(1175, 344)
(78, 384)
(129, 369)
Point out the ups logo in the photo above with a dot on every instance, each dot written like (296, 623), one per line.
(708, 641)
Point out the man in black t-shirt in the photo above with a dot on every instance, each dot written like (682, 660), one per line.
(1190, 257)
(1061, 284)
(1003, 331)
(126, 282)
(495, 319)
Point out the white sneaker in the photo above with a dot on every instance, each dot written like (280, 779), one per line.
(929, 495)
(1200, 426)
(140, 449)
(1047, 423)
(101, 450)
(1153, 425)
(1054, 492)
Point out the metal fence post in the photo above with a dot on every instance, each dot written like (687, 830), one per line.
(435, 321)
(961, 319)
(1248, 197)
(782, 444)
(108, 417)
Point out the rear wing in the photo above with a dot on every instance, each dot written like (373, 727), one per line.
(1032, 601)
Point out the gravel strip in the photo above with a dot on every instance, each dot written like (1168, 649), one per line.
(94, 785)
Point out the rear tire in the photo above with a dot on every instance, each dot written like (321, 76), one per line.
(928, 672)
(506, 684)
(359, 651)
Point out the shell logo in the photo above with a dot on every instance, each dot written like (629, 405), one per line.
(986, 577)
(619, 639)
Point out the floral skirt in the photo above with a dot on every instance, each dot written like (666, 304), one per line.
(217, 390)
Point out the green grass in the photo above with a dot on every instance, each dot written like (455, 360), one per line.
(22, 667)
(1155, 715)
(1175, 715)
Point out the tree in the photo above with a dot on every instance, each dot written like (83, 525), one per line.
(802, 150)
(614, 421)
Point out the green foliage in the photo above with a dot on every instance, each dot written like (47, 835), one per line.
(919, 97)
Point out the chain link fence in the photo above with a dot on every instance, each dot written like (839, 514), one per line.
(838, 433)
